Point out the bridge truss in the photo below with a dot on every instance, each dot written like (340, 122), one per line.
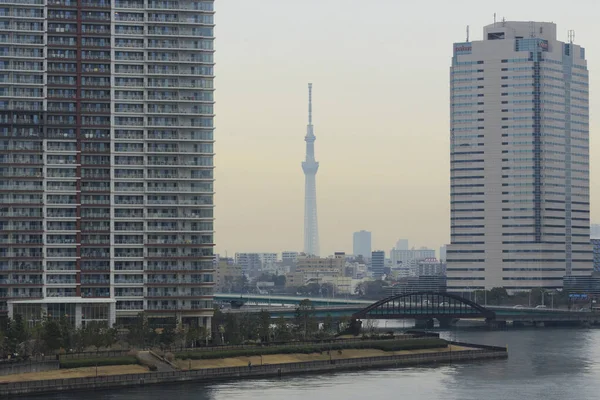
(424, 305)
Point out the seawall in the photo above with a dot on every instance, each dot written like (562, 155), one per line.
(258, 371)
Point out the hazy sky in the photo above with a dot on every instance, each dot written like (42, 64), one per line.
(380, 71)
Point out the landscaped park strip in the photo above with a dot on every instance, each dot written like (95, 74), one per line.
(316, 358)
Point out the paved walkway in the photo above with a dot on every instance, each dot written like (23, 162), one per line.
(150, 359)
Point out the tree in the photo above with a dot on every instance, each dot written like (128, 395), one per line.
(248, 326)
(17, 336)
(168, 335)
(282, 330)
(232, 334)
(312, 289)
(67, 333)
(328, 325)
(372, 289)
(280, 280)
(306, 323)
(264, 326)
(109, 337)
(17, 331)
(52, 335)
(497, 295)
(140, 332)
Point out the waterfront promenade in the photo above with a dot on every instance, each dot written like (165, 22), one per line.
(466, 352)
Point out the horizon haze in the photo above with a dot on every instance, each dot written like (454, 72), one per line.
(380, 114)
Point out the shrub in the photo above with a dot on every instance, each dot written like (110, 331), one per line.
(99, 361)
(170, 357)
(150, 365)
(397, 345)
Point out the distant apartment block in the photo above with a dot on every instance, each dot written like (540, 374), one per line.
(408, 257)
(378, 263)
(443, 253)
(430, 267)
(252, 263)
(401, 244)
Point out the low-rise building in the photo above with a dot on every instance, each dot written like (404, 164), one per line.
(228, 276)
(405, 257)
(426, 283)
(289, 258)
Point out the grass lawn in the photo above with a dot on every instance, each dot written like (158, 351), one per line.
(74, 373)
(292, 358)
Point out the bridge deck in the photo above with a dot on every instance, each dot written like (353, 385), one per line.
(346, 307)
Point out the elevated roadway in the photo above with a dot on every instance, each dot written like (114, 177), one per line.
(423, 306)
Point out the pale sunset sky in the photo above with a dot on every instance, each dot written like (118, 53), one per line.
(380, 74)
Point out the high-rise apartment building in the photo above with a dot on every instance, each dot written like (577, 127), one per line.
(361, 244)
(519, 160)
(106, 159)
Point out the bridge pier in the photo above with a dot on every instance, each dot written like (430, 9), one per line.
(424, 323)
(446, 323)
(495, 324)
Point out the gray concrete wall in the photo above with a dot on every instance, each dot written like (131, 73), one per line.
(259, 371)
(10, 368)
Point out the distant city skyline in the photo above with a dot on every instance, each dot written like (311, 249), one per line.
(383, 133)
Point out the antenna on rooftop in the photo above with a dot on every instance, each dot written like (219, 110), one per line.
(467, 33)
(532, 29)
(503, 22)
(571, 36)
(494, 20)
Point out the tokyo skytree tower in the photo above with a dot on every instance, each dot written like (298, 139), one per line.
(310, 168)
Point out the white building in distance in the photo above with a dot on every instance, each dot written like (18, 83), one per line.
(361, 244)
(403, 258)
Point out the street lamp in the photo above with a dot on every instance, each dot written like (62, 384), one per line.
(543, 292)
(552, 297)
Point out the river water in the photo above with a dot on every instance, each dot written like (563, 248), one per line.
(543, 364)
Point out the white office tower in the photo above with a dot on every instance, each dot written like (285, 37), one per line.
(106, 160)
(519, 160)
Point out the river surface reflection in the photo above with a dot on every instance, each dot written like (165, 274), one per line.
(543, 364)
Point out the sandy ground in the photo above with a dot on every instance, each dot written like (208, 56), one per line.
(292, 358)
(74, 373)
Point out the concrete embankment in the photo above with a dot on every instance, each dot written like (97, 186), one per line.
(258, 371)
